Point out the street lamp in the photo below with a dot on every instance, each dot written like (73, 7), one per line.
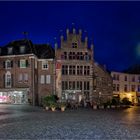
(100, 93)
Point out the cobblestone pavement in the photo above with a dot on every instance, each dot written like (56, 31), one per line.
(27, 122)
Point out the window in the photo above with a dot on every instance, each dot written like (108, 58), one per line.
(78, 85)
(78, 56)
(70, 85)
(86, 70)
(8, 79)
(78, 70)
(48, 79)
(25, 77)
(42, 79)
(114, 87)
(133, 79)
(125, 88)
(64, 69)
(81, 55)
(125, 78)
(86, 85)
(139, 79)
(114, 76)
(20, 77)
(73, 70)
(64, 85)
(8, 64)
(138, 88)
(74, 45)
(81, 70)
(118, 77)
(10, 50)
(73, 85)
(118, 87)
(44, 65)
(22, 49)
(23, 63)
(65, 55)
(70, 70)
(133, 88)
(81, 87)
(70, 55)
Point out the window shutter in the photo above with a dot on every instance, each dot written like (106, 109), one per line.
(18, 63)
(3, 64)
(12, 81)
(11, 63)
(4, 80)
(26, 63)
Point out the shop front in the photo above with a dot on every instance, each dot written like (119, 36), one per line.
(14, 96)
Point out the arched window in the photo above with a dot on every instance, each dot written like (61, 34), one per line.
(8, 79)
(8, 64)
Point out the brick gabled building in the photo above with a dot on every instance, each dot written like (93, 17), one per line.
(74, 70)
(22, 67)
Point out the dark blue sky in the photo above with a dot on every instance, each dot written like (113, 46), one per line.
(114, 26)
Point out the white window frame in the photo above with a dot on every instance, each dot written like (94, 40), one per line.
(22, 61)
(7, 65)
(44, 63)
(48, 79)
(42, 79)
(8, 78)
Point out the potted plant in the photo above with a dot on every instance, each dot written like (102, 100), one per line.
(46, 102)
(53, 106)
(63, 106)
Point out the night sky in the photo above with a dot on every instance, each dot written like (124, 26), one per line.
(113, 26)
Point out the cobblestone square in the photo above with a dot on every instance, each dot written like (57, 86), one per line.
(27, 122)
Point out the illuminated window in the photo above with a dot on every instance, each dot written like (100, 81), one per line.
(44, 65)
(23, 63)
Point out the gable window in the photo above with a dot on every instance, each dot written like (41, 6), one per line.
(22, 49)
(44, 65)
(74, 45)
(8, 80)
(10, 50)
